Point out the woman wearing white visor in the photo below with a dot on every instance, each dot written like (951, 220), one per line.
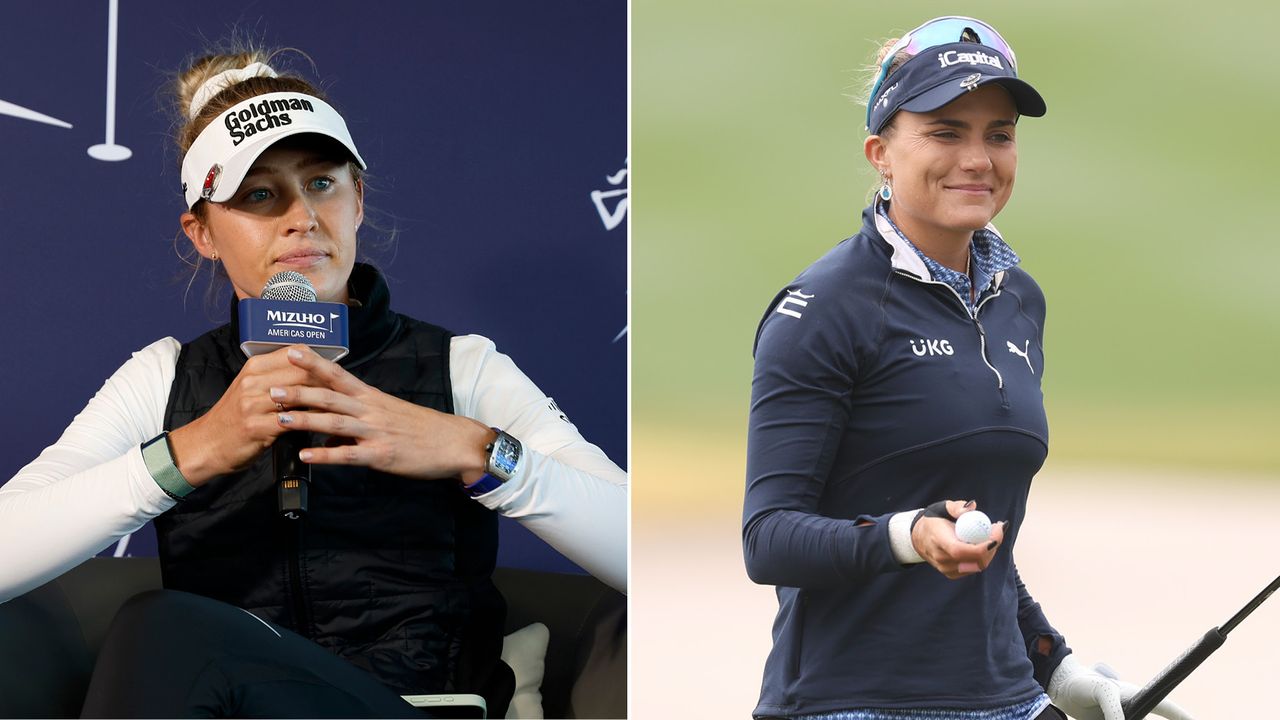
(900, 370)
(420, 439)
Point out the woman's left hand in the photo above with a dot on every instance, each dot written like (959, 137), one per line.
(389, 434)
(1096, 693)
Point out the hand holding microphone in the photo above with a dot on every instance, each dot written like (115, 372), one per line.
(288, 313)
(287, 386)
(240, 426)
(245, 420)
(389, 434)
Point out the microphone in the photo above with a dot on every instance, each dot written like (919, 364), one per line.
(289, 285)
(287, 314)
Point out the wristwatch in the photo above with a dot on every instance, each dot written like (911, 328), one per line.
(504, 455)
(158, 457)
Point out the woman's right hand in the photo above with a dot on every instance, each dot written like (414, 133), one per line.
(935, 539)
(243, 423)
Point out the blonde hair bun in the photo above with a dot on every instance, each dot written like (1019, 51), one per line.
(217, 81)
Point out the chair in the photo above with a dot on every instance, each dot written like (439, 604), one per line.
(50, 637)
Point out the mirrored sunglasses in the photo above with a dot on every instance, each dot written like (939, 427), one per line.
(941, 31)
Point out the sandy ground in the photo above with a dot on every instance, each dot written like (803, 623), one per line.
(1132, 567)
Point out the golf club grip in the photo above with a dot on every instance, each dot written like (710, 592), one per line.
(1161, 685)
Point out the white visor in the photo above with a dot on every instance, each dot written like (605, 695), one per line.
(225, 150)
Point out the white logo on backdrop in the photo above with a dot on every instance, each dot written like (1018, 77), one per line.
(121, 546)
(612, 217)
(108, 150)
(619, 198)
(8, 108)
(621, 332)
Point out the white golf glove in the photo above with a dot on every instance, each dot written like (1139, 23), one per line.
(1096, 693)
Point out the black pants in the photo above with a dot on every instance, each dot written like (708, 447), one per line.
(174, 654)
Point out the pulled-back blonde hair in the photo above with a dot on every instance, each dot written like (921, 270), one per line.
(188, 82)
(183, 88)
(202, 69)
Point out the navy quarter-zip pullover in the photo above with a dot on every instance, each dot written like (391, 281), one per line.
(877, 391)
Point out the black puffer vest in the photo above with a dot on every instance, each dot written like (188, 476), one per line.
(390, 573)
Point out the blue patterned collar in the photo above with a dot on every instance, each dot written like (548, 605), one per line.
(989, 255)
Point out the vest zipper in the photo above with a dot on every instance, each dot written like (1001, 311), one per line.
(982, 333)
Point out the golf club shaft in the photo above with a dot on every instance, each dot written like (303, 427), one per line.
(1161, 685)
(1253, 605)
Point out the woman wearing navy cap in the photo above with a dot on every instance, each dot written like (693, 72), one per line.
(900, 369)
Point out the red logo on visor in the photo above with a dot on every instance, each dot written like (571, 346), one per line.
(211, 181)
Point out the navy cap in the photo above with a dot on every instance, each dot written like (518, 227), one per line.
(943, 73)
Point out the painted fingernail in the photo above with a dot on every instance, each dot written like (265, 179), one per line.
(992, 545)
(295, 353)
(305, 455)
(277, 393)
(285, 418)
(971, 503)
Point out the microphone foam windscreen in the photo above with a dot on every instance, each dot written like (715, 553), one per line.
(289, 285)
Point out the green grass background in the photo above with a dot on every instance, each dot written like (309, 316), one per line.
(1145, 206)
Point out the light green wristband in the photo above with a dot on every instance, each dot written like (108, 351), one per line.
(159, 460)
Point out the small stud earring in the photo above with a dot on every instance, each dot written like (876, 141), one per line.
(215, 256)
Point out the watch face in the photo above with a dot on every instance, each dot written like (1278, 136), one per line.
(506, 453)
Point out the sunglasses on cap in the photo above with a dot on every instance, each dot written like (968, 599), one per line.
(941, 31)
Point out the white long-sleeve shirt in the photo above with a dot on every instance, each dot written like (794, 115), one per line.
(91, 487)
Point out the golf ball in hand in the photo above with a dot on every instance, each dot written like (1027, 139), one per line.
(973, 527)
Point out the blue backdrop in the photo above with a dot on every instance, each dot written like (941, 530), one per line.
(496, 138)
